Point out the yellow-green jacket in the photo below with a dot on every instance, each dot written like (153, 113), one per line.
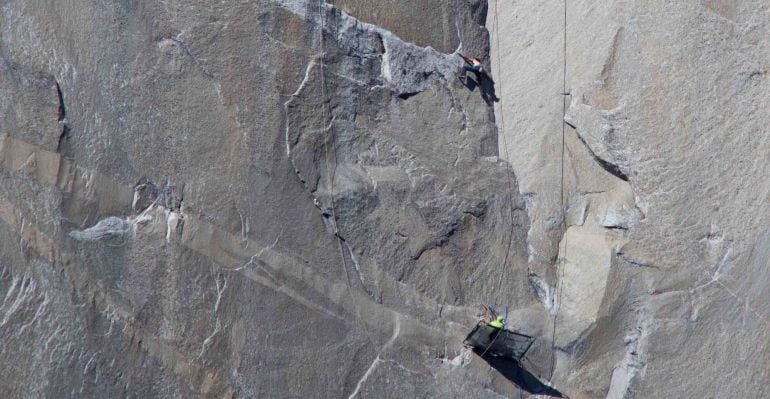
(497, 323)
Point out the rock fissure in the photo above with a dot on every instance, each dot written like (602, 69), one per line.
(186, 49)
(194, 279)
(377, 359)
(613, 169)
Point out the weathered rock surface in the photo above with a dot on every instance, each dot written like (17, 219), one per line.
(174, 179)
(296, 198)
(662, 275)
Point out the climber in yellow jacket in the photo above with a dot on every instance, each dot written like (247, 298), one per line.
(497, 323)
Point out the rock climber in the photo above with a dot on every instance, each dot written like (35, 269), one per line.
(483, 80)
(475, 66)
(497, 323)
(497, 327)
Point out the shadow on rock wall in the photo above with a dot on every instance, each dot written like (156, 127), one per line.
(514, 372)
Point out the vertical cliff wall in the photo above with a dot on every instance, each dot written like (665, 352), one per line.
(267, 199)
(661, 280)
(299, 198)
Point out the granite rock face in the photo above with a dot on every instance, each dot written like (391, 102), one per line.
(267, 199)
(662, 278)
(299, 198)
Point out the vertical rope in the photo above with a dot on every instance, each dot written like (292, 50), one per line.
(505, 148)
(330, 171)
(559, 266)
(507, 166)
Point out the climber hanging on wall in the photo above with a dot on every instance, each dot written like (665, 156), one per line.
(483, 80)
(498, 322)
(475, 66)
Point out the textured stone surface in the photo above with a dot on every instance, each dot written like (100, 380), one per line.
(289, 198)
(667, 152)
(167, 172)
(445, 25)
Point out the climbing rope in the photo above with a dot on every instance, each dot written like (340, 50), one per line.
(509, 179)
(559, 267)
(505, 149)
(559, 270)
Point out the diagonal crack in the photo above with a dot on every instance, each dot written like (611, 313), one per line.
(608, 166)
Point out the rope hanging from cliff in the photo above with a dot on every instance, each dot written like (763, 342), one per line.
(509, 176)
(507, 170)
(559, 267)
(508, 166)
